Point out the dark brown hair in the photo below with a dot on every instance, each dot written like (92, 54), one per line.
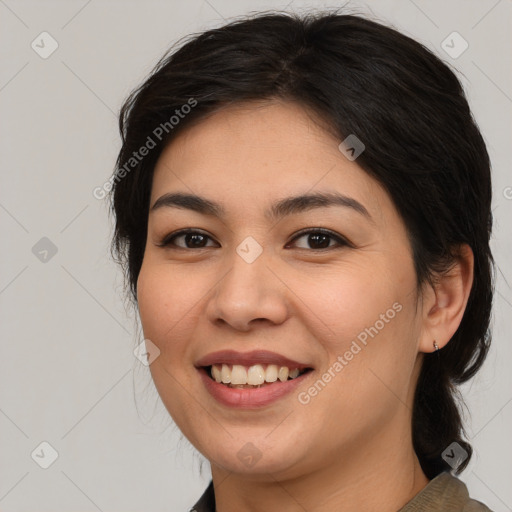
(422, 145)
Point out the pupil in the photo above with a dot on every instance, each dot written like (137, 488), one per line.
(316, 237)
(194, 236)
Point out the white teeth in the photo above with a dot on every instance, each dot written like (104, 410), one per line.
(238, 374)
(293, 373)
(271, 373)
(254, 375)
(225, 374)
(216, 373)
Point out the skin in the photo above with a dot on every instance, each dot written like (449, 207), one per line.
(349, 448)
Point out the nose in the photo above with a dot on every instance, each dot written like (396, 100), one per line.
(248, 294)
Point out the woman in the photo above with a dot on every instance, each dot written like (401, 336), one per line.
(303, 212)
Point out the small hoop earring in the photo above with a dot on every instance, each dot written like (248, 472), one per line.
(436, 347)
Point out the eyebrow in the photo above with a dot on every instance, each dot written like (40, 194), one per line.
(281, 208)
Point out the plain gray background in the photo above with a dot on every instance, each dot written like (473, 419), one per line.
(68, 375)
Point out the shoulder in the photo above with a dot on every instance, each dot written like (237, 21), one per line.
(444, 493)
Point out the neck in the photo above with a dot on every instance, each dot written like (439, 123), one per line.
(377, 476)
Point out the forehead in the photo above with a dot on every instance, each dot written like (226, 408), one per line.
(259, 151)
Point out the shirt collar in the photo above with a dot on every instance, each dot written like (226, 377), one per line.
(445, 492)
(206, 502)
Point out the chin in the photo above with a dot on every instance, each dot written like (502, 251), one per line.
(248, 457)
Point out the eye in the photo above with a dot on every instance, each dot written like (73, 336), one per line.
(192, 239)
(319, 238)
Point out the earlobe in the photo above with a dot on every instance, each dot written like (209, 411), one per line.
(446, 302)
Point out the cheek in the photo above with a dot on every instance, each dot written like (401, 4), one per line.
(346, 301)
(367, 316)
(165, 299)
(371, 348)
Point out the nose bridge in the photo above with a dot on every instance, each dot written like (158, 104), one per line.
(249, 290)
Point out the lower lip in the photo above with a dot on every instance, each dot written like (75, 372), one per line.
(250, 398)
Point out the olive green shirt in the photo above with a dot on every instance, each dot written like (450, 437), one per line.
(445, 493)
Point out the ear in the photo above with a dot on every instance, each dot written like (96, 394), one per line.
(444, 304)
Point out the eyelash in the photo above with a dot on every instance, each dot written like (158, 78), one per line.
(168, 240)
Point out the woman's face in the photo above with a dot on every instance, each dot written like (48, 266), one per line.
(246, 281)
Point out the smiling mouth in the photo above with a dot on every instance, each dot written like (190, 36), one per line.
(256, 376)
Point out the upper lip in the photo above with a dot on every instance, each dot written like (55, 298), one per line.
(249, 359)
